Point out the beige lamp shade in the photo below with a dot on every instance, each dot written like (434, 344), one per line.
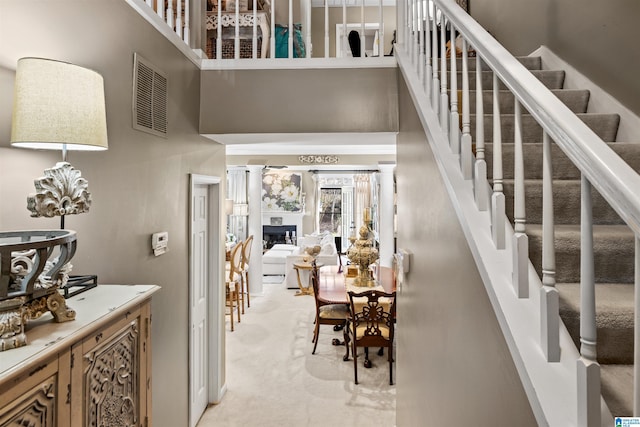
(228, 206)
(58, 106)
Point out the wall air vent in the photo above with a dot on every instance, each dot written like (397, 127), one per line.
(149, 98)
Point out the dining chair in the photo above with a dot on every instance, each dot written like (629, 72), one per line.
(244, 271)
(233, 282)
(371, 324)
(326, 313)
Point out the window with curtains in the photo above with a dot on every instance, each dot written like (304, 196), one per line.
(330, 210)
(237, 191)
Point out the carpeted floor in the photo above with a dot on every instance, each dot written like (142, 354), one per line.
(274, 380)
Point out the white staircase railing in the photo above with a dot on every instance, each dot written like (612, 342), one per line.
(560, 393)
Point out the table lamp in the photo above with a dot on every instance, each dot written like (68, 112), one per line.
(58, 106)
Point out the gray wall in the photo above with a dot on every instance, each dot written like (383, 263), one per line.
(139, 186)
(454, 367)
(299, 101)
(598, 38)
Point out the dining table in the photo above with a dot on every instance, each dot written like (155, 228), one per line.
(334, 285)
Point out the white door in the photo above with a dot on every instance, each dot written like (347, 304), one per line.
(198, 300)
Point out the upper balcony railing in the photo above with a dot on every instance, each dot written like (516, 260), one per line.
(273, 33)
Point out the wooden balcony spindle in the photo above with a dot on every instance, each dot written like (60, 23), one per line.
(219, 32)
(444, 97)
(186, 34)
(480, 166)
(435, 89)
(254, 40)
(421, 40)
(272, 46)
(454, 120)
(178, 28)
(588, 374)
(549, 300)
(170, 13)
(326, 29)
(498, 216)
(380, 29)
(520, 239)
(465, 140)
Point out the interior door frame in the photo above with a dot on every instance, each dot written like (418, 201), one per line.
(215, 319)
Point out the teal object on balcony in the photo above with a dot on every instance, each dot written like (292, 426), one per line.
(282, 41)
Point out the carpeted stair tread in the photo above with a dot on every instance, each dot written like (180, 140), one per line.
(616, 386)
(552, 79)
(604, 125)
(614, 249)
(566, 202)
(614, 318)
(575, 99)
(529, 62)
(563, 168)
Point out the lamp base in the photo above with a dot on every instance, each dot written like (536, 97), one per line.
(81, 283)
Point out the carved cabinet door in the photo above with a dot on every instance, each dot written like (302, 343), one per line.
(109, 386)
(32, 399)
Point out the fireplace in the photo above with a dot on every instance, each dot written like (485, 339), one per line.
(273, 234)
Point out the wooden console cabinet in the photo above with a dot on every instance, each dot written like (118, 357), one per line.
(93, 371)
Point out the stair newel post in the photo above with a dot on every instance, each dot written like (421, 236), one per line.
(444, 98)
(170, 13)
(549, 302)
(520, 238)
(480, 165)
(454, 121)
(465, 140)
(636, 342)
(498, 216)
(435, 88)
(588, 374)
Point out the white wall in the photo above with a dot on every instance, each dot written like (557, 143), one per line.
(453, 364)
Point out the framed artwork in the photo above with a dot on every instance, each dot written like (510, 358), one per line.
(281, 192)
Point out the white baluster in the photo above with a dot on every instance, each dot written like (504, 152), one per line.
(520, 238)
(435, 89)
(159, 7)
(549, 302)
(170, 13)
(428, 75)
(178, 28)
(219, 32)
(326, 29)
(254, 39)
(362, 43)
(480, 165)
(588, 369)
(454, 121)
(291, 29)
(408, 34)
(444, 97)
(187, 22)
(636, 343)
(272, 47)
(345, 44)
(236, 44)
(499, 218)
(380, 29)
(308, 29)
(465, 140)
(421, 36)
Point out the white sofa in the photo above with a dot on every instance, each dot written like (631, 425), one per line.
(328, 256)
(274, 260)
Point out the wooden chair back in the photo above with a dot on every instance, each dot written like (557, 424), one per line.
(246, 252)
(372, 318)
(235, 262)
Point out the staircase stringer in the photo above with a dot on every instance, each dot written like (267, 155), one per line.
(550, 387)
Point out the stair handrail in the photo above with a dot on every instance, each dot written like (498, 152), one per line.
(616, 181)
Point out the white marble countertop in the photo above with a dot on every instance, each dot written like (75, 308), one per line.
(93, 308)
